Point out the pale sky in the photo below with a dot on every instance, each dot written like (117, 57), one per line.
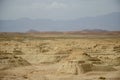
(56, 9)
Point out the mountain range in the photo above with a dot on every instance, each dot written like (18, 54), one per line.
(105, 22)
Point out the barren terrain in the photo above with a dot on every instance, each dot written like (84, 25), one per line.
(59, 57)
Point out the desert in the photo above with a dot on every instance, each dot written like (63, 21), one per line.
(59, 39)
(52, 56)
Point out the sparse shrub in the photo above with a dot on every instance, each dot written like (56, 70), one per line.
(102, 78)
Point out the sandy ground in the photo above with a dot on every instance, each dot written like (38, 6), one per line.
(40, 59)
(48, 72)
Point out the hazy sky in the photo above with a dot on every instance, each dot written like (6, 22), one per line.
(56, 9)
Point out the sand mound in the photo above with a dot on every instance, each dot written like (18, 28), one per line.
(79, 55)
(82, 56)
(76, 63)
(80, 67)
(8, 60)
(81, 62)
(75, 67)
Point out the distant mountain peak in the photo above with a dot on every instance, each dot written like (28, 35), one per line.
(94, 30)
(32, 31)
(106, 22)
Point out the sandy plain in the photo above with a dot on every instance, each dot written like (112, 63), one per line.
(59, 57)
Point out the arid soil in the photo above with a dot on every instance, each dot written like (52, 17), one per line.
(59, 58)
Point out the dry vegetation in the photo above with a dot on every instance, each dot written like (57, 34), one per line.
(59, 57)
